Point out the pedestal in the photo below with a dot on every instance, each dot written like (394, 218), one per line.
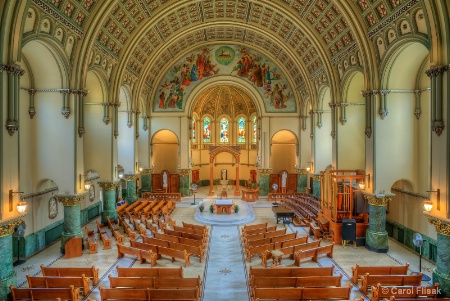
(109, 201)
(72, 217)
(376, 235)
(131, 196)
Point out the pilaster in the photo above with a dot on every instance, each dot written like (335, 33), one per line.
(7, 273)
(376, 235)
(131, 179)
(316, 185)
(441, 274)
(185, 181)
(264, 181)
(72, 217)
(302, 179)
(146, 180)
(109, 200)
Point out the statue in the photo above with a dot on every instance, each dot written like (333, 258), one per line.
(164, 179)
(283, 179)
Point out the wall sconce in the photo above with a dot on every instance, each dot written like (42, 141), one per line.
(21, 206)
(310, 166)
(87, 183)
(428, 204)
(119, 171)
(362, 184)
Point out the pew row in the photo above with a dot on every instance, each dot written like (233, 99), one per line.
(358, 271)
(379, 292)
(59, 282)
(148, 294)
(104, 236)
(195, 250)
(257, 272)
(314, 253)
(90, 272)
(26, 293)
(369, 280)
(304, 293)
(150, 272)
(157, 251)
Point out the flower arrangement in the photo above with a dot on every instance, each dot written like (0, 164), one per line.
(236, 208)
(201, 207)
(211, 208)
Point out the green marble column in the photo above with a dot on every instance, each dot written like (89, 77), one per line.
(316, 185)
(72, 217)
(441, 274)
(376, 235)
(109, 200)
(7, 273)
(185, 182)
(264, 181)
(131, 196)
(146, 180)
(302, 179)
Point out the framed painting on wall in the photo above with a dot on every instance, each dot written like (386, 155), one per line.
(52, 208)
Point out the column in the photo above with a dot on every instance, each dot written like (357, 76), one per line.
(315, 189)
(185, 181)
(211, 177)
(72, 217)
(302, 179)
(109, 200)
(236, 191)
(7, 273)
(441, 274)
(264, 181)
(146, 180)
(130, 179)
(376, 235)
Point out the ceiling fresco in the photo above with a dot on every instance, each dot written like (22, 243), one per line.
(219, 60)
(304, 37)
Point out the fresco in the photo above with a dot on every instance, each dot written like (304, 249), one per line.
(236, 60)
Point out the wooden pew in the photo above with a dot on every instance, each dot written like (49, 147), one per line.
(25, 293)
(264, 235)
(203, 232)
(269, 240)
(358, 271)
(173, 253)
(185, 294)
(104, 236)
(289, 272)
(291, 250)
(379, 292)
(59, 282)
(184, 234)
(315, 293)
(309, 281)
(260, 250)
(201, 227)
(277, 293)
(258, 231)
(120, 209)
(389, 280)
(251, 227)
(314, 253)
(92, 242)
(115, 231)
(150, 272)
(194, 250)
(143, 255)
(181, 240)
(90, 272)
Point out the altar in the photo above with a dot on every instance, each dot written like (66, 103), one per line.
(224, 206)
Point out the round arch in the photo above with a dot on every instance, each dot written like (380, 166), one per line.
(284, 150)
(213, 153)
(165, 151)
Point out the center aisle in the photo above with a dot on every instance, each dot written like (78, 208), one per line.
(225, 277)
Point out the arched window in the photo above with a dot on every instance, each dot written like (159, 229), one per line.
(241, 130)
(224, 130)
(254, 130)
(206, 130)
(194, 133)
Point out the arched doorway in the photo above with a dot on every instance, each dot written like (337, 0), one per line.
(216, 150)
(165, 148)
(284, 151)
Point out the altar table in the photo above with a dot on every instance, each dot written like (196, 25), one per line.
(224, 206)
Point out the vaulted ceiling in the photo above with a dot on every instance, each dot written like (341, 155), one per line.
(307, 38)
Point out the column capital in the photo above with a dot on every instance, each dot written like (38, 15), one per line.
(442, 224)
(378, 199)
(316, 177)
(265, 171)
(147, 171)
(130, 177)
(8, 227)
(301, 171)
(108, 185)
(69, 200)
(184, 171)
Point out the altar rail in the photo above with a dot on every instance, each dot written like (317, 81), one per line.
(174, 196)
(277, 196)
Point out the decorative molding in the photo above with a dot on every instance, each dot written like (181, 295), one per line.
(64, 91)
(301, 171)
(104, 185)
(383, 112)
(265, 171)
(442, 225)
(368, 132)
(339, 56)
(378, 199)
(65, 112)
(69, 200)
(130, 177)
(316, 177)
(438, 127)
(43, 192)
(81, 131)
(12, 69)
(333, 134)
(8, 227)
(392, 18)
(437, 70)
(12, 126)
(184, 172)
(146, 171)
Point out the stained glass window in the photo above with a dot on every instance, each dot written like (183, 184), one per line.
(241, 130)
(194, 133)
(254, 129)
(224, 130)
(206, 130)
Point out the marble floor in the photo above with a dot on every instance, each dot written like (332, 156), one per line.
(224, 271)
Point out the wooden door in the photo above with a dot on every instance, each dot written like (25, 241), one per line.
(174, 183)
(156, 182)
(291, 183)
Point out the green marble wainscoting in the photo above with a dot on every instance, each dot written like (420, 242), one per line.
(146, 180)
(316, 185)
(302, 182)
(264, 181)
(33, 243)
(185, 182)
(404, 236)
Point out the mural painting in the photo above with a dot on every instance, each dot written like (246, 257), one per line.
(217, 60)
